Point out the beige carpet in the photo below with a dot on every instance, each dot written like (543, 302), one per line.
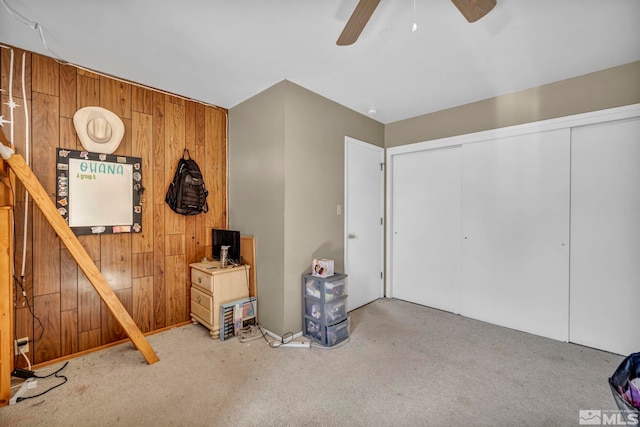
(404, 365)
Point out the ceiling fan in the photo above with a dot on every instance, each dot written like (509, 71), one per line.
(471, 9)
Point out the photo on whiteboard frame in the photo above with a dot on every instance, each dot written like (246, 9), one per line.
(99, 193)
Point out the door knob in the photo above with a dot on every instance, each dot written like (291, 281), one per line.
(352, 236)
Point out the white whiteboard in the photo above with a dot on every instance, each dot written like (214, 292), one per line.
(100, 193)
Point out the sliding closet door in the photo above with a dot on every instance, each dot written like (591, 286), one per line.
(605, 236)
(425, 197)
(515, 218)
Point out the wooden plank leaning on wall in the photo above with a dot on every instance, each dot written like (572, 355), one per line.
(77, 251)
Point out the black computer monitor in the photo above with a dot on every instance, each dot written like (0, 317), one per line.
(229, 238)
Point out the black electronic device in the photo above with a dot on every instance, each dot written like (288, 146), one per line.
(229, 238)
(23, 373)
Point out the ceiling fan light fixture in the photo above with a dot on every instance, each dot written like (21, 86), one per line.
(415, 26)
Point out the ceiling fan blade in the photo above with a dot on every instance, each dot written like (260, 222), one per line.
(356, 23)
(474, 9)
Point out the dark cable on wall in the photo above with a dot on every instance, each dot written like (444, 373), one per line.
(19, 281)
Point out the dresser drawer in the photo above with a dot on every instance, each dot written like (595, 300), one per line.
(201, 279)
(201, 304)
(201, 298)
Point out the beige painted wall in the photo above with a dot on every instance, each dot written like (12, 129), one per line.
(256, 191)
(286, 166)
(609, 88)
(308, 184)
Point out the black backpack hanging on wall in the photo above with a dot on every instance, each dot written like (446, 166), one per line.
(187, 194)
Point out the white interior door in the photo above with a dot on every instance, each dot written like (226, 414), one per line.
(605, 236)
(364, 217)
(515, 217)
(425, 235)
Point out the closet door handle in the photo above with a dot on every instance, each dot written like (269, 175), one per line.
(352, 236)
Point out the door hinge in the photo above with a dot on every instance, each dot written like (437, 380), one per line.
(381, 275)
(382, 166)
(381, 221)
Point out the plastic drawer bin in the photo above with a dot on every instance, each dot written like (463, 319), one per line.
(328, 336)
(325, 288)
(327, 313)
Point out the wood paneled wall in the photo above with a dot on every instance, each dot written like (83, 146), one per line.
(148, 271)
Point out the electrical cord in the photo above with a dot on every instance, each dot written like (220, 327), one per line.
(285, 339)
(26, 358)
(20, 282)
(64, 380)
(249, 335)
(286, 335)
(246, 273)
(289, 335)
(31, 24)
(265, 337)
(55, 373)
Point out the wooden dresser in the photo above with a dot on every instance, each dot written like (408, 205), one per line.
(212, 286)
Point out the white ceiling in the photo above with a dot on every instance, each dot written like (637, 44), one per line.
(225, 51)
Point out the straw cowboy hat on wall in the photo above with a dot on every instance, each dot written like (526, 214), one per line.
(99, 130)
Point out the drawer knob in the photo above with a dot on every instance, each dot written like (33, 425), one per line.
(198, 299)
(199, 279)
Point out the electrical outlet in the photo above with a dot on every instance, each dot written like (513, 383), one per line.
(22, 344)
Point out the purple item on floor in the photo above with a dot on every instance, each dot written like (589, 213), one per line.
(634, 392)
(627, 371)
